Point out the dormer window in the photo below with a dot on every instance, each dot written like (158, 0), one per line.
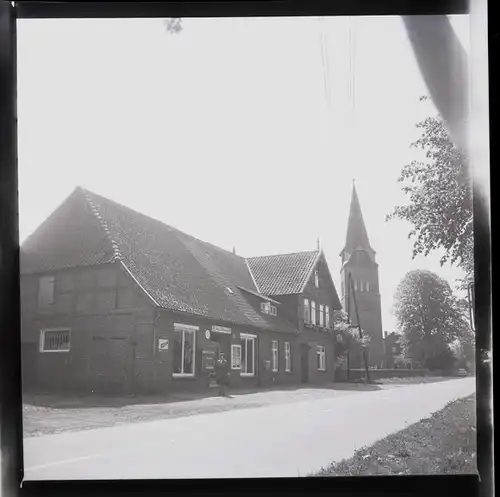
(316, 278)
(267, 308)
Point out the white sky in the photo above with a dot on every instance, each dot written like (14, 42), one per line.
(224, 131)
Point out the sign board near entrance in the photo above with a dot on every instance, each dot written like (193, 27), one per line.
(221, 329)
(163, 344)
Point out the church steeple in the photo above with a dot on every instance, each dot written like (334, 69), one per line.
(359, 268)
(357, 236)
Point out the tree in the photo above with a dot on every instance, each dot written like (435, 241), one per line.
(173, 25)
(440, 199)
(430, 319)
(347, 336)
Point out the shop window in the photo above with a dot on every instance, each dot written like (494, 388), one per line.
(247, 355)
(184, 348)
(235, 356)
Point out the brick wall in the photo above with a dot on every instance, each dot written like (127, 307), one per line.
(376, 374)
(109, 318)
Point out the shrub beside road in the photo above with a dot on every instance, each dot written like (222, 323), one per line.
(442, 444)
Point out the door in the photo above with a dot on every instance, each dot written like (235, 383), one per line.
(304, 362)
(110, 358)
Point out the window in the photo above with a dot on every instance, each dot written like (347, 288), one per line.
(307, 311)
(327, 316)
(267, 308)
(248, 355)
(288, 357)
(321, 314)
(184, 349)
(321, 353)
(235, 356)
(275, 355)
(316, 278)
(46, 290)
(313, 312)
(57, 340)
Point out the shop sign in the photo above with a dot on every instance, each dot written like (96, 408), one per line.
(221, 329)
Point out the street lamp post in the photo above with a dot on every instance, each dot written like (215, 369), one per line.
(363, 348)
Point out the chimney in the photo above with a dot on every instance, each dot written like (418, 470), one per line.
(234, 251)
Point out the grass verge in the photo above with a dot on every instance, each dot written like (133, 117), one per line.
(445, 443)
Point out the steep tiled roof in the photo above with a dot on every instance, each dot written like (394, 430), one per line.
(283, 274)
(179, 272)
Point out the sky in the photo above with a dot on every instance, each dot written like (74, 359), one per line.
(236, 131)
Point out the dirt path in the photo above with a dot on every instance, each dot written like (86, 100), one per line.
(43, 415)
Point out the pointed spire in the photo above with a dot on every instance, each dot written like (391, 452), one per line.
(357, 235)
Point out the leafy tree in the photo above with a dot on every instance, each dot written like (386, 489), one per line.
(440, 199)
(347, 337)
(430, 319)
(173, 25)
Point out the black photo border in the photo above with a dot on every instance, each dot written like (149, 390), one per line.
(10, 346)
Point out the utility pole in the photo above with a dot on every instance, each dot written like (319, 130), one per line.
(351, 287)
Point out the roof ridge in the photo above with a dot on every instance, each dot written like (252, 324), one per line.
(117, 255)
(229, 252)
(168, 226)
(285, 254)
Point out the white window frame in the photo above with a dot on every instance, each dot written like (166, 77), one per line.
(321, 352)
(41, 280)
(274, 311)
(265, 307)
(190, 329)
(234, 347)
(313, 312)
(246, 337)
(316, 278)
(307, 305)
(321, 315)
(42, 340)
(288, 357)
(327, 316)
(275, 356)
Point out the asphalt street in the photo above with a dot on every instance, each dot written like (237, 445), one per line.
(273, 441)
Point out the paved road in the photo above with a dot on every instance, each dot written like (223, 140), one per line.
(283, 440)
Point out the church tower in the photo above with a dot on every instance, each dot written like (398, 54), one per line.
(358, 260)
